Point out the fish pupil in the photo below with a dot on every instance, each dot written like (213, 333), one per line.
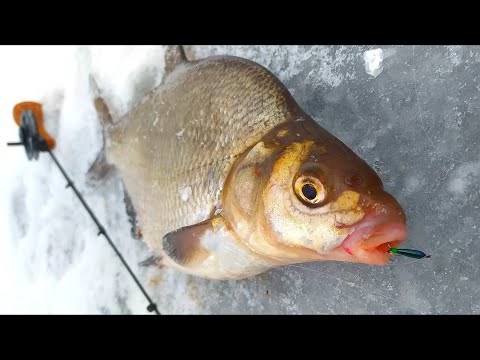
(309, 191)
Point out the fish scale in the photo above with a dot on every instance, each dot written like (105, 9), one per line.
(188, 133)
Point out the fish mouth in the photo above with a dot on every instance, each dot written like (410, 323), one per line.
(371, 239)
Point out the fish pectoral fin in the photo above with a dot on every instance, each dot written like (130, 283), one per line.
(211, 249)
(174, 55)
(184, 246)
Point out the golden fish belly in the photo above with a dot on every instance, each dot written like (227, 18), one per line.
(175, 148)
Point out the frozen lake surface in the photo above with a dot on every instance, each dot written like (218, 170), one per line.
(412, 112)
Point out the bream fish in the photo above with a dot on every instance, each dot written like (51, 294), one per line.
(229, 177)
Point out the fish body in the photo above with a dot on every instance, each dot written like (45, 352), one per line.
(229, 177)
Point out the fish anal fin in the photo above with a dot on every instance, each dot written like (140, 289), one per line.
(153, 260)
(132, 216)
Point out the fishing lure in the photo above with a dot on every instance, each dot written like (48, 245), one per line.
(416, 254)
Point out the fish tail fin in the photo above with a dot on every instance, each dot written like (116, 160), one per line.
(100, 169)
(105, 112)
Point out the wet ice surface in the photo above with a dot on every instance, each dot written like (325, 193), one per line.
(416, 123)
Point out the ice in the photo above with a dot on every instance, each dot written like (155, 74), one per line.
(464, 176)
(373, 62)
(416, 124)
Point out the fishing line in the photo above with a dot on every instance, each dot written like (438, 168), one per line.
(35, 140)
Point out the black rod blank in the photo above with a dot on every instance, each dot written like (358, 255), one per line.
(101, 231)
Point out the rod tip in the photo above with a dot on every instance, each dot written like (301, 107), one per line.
(152, 307)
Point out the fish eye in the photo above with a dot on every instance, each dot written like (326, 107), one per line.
(310, 190)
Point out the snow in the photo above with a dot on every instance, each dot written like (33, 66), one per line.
(373, 62)
(417, 125)
(51, 259)
(185, 193)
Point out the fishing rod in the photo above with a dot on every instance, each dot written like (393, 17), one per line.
(34, 138)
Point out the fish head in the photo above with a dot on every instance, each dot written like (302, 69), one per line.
(302, 195)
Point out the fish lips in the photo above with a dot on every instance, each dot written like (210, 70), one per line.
(370, 239)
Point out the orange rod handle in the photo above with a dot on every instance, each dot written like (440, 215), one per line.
(37, 111)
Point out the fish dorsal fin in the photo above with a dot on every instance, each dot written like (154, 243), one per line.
(174, 55)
